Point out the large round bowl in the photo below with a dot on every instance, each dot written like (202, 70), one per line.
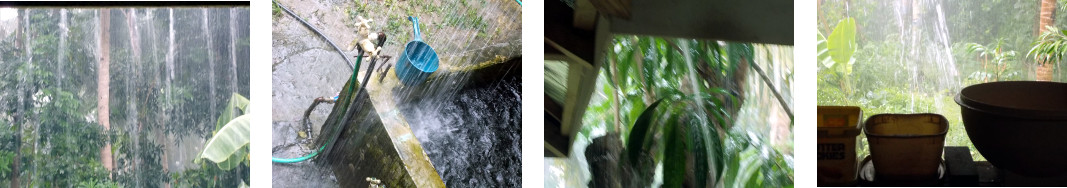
(1020, 126)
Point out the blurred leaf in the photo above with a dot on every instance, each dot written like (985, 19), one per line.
(1050, 46)
(824, 52)
(674, 161)
(640, 130)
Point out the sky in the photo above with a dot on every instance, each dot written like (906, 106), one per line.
(7, 13)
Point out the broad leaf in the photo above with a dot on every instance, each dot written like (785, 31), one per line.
(824, 52)
(635, 143)
(677, 150)
(842, 43)
(236, 101)
(228, 142)
(235, 159)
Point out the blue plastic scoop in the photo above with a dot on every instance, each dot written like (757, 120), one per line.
(417, 61)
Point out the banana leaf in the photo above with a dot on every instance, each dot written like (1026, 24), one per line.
(230, 141)
(842, 42)
(236, 101)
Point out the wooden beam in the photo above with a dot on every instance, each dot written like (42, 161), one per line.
(581, 83)
(561, 34)
(585, 15)
(756, 21)
(554, 110)
(556, 144)
(551, 53)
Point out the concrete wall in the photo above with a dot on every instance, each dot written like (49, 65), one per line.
(364, 149)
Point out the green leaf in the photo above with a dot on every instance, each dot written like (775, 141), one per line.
(635, 143)
(236, 101)
(674, 167)
(842, 43)
(824, 52)
(236, 159)
(230, 141)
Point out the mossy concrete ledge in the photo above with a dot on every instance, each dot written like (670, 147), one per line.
(376, 144)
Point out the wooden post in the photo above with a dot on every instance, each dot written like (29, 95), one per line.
(1047, 11)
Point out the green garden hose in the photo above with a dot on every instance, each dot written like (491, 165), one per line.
(313, 154)
(299, 159)
(355, 69)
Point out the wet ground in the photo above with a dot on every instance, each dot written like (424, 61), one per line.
(466, 35)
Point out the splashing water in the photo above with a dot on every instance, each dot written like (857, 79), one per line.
(927, 50)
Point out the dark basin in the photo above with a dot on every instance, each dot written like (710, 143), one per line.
(1019, 126)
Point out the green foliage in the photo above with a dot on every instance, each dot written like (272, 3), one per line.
(58, 134)
(995, 69)
(640, 130)
(674, 167)
(210, 176)
(823, 52)
(983, 36)
(1050, 47)
(6, 159)
(140, 157)
(97, 184)
(673, 102)
(237, 102)
(275, 11)
(734, 155)
(229, 147)
(841, 45)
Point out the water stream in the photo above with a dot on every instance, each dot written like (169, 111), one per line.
(927, 50)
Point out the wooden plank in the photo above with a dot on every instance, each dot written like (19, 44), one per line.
(552, 109)
(757, 21)
(556, 144)
(561, 34)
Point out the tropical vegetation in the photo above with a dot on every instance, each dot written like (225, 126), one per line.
(684, 112)
(914, 56)
(59, 118)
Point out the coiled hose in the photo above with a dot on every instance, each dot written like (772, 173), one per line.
(353, 78)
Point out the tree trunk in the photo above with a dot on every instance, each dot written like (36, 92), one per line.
(639, 60)
(615, 94)
(103, 78)
(1044, 69)
(16, 162)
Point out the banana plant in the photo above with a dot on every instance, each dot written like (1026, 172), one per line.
(835, 52)
(228, 147)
